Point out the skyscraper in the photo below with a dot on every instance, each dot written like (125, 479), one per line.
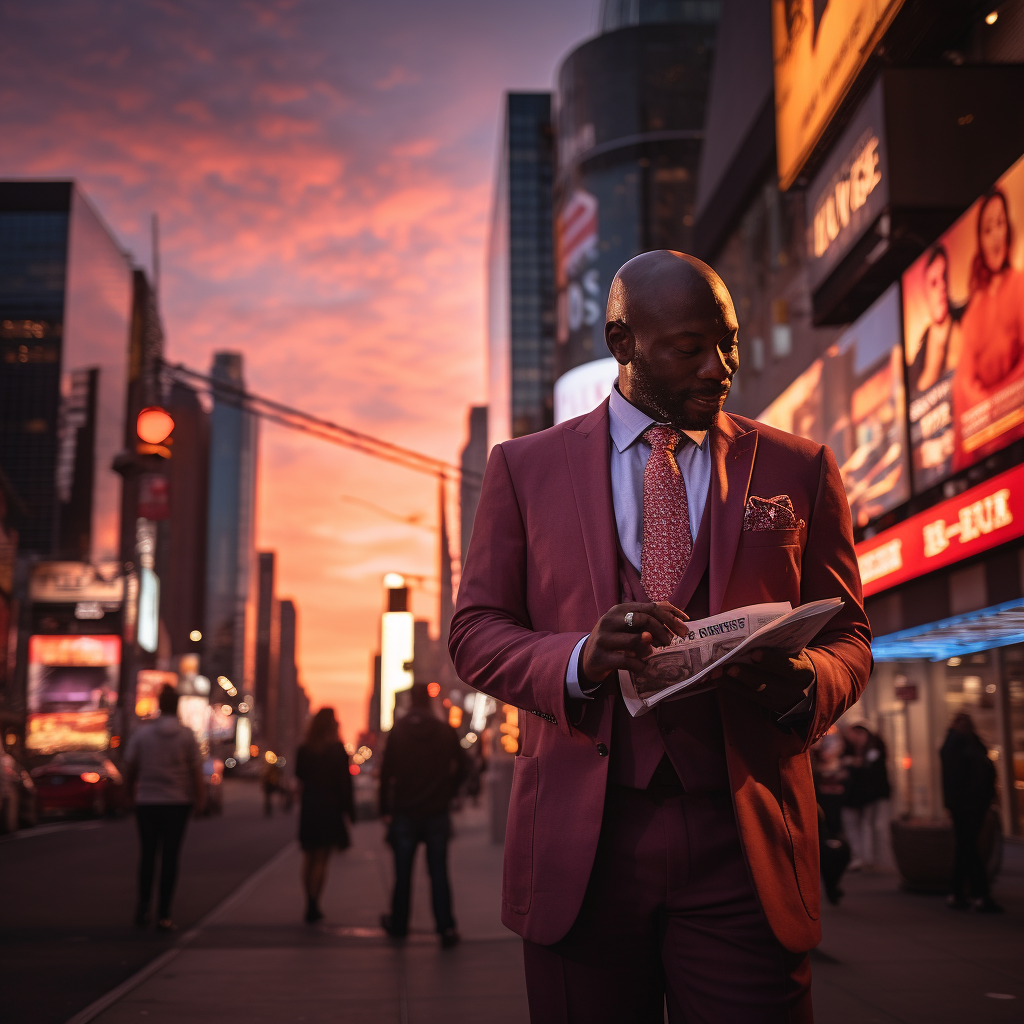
(291, 720)
(472, 462)
(66, 295)
(630, 111)
(230, 635)
(520, 298)
(268, 652)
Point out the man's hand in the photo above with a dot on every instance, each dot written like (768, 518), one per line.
(772, 678)
(620, 642)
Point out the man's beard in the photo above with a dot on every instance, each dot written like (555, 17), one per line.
(670, 407)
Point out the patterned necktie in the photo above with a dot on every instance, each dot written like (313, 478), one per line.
(667, 541)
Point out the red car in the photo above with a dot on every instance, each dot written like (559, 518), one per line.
(80, 781)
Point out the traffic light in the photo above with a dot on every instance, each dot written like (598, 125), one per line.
(154, 427)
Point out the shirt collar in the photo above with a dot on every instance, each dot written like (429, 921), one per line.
(626, 423)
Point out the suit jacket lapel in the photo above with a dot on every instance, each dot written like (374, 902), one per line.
(732, 461)
(586, 448)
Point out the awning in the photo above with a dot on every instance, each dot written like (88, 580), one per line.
(997, 626)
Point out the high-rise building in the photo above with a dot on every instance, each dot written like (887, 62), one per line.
(290, 719)
(520, 299)
(268, 653)
(183, 593)
(66, 296)
(629, 116)
(231, 586)
(472, 462)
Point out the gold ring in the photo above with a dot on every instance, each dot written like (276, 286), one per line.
(761, 687)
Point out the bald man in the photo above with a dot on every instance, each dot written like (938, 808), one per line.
(670, 858)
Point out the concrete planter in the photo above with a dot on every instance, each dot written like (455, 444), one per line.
(923, 850)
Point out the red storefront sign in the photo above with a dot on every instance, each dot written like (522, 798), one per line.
(980, 518)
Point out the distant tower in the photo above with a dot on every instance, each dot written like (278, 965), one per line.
(472, 463)
(520, 294)
(231, 590)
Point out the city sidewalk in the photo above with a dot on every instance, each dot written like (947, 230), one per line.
(254, 961)
(887, 956)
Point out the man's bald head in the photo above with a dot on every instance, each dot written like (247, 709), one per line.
(647, 283)
(672, 327)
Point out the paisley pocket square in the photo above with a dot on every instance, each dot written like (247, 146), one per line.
(770, 514)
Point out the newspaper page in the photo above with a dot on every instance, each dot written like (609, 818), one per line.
(680, 668)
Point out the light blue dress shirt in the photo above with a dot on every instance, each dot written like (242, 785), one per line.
(629, 454)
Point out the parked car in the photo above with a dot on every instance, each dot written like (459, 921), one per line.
(213, 772)
(18, 808)
(80, 781)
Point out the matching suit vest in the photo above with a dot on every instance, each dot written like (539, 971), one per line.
(680, 738)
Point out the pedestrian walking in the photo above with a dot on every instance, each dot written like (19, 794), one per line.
(165, 770)
(829, 787)
(321, 766)
(271, 778)
(968, 788)
(423, 766)
(661, 860)
(866, 796)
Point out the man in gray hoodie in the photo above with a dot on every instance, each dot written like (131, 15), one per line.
(164, 767)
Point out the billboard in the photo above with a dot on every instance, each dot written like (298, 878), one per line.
(584, 388)
(979, 519)
(72, 691)
(963, 320)
(819, 46)
(852, 399)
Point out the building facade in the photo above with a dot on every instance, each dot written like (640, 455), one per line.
(231, 584)
(66, 295)
(520, 301)
(629, 116)
(869, 243)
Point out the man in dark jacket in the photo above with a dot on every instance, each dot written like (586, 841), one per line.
(968, 788)
(424, 764)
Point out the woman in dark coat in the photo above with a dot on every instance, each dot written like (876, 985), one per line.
(321, 765)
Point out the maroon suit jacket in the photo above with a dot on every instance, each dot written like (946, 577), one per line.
(542, 568)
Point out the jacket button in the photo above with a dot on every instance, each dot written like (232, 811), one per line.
(602, 750)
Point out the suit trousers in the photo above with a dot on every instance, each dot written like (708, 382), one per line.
(671, 917)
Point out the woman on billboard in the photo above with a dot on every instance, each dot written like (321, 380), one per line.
(991, 369)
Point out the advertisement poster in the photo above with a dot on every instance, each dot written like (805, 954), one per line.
(852, 399)
(72, 691)
(578, 280)
(963, 319)
(818, 46)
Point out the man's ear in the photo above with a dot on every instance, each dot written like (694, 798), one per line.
(620, 341)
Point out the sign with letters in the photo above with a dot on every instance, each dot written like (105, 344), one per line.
(850, 192)
(981, 518)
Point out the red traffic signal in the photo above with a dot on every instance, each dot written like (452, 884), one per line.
(154, 427)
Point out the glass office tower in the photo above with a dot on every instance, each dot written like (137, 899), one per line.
(520, 297)
(65, 321)
(231, 587)
(629, 119)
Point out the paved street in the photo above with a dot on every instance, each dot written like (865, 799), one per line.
(67, 895)
(887, 956)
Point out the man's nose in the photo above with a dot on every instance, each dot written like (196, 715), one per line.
(715, 366)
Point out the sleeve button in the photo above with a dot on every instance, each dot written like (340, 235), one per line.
(602, 750)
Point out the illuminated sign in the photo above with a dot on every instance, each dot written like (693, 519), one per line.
(981, 518)
(963, 302)
(72, 690)
(396, 653)
(579, 305)
(148, 633)
(850, 192)
(148, 684)
(71, 582)
(819, 49)
(584, 388)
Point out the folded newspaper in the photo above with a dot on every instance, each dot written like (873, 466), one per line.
(680, 668)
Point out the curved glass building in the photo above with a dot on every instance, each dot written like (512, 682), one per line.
(629, 123)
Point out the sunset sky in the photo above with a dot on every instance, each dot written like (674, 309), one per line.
(322, 173)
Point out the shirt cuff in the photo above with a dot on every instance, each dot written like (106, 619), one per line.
(573, 674)
(801, 713)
